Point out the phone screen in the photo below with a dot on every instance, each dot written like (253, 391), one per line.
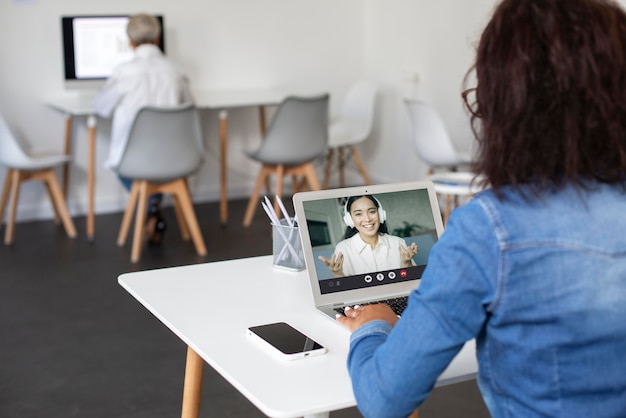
(285, 338)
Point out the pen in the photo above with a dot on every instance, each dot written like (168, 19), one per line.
(282, 208)
(271, 208)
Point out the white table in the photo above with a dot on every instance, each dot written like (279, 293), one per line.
(210, 306)
(81, 104)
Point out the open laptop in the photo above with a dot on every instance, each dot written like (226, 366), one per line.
(409, 210)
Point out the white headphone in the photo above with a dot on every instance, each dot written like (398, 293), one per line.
(347, 218)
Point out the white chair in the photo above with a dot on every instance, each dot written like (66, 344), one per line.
(352, 126)
(434, 146)
(23, 166)
(297, 135)
(431, 140)
(165, 146)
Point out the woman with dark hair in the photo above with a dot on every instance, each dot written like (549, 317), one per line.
(367, 247)
(533, 269)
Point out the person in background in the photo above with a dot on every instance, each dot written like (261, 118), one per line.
(533, 269)
(367, 246)
(149, 79)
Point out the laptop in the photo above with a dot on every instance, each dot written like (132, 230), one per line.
(410, 211)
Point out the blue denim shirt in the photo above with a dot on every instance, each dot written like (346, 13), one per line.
(540, 285)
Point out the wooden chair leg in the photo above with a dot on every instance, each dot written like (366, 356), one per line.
(186, 206)
(16, 178)
(57, 217)
(180, 218)
(58, 202)
(5, 194)
(295, 182)
(254, 198)
(311, 177)
(415, 414)
(342, 165)
(140, 220)
(280, 177)
(360, 165)
(328, 168)
(128, 214)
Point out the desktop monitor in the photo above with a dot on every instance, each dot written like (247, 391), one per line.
(94, 45)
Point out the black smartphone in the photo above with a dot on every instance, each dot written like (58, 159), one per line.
(286, 341)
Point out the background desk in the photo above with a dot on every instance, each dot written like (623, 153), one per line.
(210, 306)
(72, 105)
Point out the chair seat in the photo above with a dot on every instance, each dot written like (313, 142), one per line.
(287, 162)
(341, 134)
(36, 163)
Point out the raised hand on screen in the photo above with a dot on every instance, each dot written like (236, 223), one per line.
(407, 253)
(335, 264)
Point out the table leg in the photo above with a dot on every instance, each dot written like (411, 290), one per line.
(223, 167)
(67, 149)
(91, 177)
(193, 385)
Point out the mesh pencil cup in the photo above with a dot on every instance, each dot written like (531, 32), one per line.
(286, 247)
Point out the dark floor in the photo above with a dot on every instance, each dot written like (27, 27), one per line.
(73, 343)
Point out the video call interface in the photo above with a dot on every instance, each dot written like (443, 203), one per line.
(407, 215)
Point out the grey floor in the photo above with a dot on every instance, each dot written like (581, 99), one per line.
(73, 343)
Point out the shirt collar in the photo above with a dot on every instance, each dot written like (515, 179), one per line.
(359, 245)
(147, 50)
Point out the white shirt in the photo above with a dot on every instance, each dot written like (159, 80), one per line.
(360, 258)
(149, 79)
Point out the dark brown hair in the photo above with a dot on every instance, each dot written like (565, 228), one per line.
(551, 95)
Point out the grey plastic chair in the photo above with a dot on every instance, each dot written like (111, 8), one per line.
(297, 135)
(351, 126)
(165, 146)
(23, 166)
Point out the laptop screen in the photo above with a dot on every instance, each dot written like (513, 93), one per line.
(357, 239)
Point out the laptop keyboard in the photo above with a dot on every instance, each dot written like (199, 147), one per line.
(396, 304)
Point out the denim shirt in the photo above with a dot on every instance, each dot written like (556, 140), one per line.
(540, 285)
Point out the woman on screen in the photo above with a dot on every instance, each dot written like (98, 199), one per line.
(367, 247)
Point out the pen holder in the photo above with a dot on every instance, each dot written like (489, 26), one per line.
(287, 247)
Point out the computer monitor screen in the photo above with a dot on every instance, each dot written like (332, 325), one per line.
(94, 45)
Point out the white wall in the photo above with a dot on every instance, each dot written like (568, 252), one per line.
(314, 45)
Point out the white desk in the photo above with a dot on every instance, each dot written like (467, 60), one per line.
(72, 105)
(197, 303)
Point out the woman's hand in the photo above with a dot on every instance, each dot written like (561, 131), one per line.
(407, 254)
(335, 264)
(359, 315)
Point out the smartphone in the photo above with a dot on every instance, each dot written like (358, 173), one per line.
(285, 341)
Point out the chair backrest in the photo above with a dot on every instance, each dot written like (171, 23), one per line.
(11, 152)
(357, 109)
(297, 133)
(164, 144)
(430, 137)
